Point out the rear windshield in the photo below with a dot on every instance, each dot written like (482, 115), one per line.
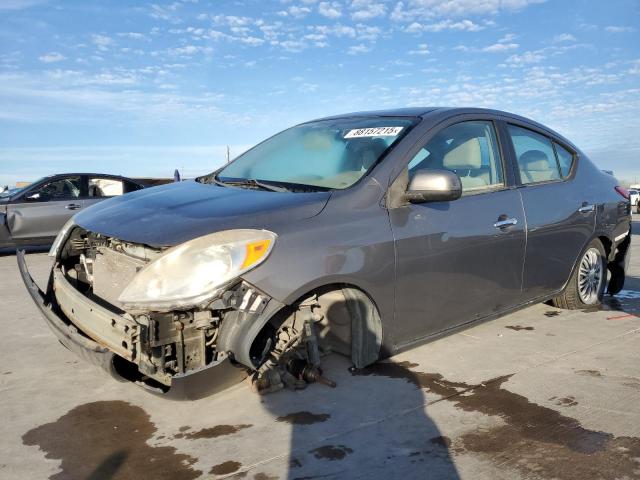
(331, 154)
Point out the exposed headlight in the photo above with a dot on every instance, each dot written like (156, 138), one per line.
(62, 234)
(192, 273)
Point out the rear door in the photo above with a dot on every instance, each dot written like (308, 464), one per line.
(40, 212)
(560, 217)
(462, 260)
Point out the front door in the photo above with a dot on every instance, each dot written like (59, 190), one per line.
(462, 260)
(41, 212)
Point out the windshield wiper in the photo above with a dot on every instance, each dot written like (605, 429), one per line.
(252, 182)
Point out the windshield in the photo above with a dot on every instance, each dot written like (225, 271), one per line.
(11, 192)
(328, 154)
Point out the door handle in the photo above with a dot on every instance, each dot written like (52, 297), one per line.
(507, 222)
(73, 206)
(586, 208)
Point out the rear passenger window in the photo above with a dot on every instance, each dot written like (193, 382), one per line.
(469, 149)
(105, 187)
(535, 156)
(565, 159)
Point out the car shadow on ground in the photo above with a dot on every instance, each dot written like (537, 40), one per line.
(373, 425)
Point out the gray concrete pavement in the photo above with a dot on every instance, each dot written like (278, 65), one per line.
(542, 393)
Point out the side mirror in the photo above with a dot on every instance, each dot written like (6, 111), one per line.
(433, 186)
(36, 197)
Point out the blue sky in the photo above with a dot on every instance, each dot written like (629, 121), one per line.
(142, 88)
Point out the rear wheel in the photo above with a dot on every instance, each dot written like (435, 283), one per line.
(586, 286)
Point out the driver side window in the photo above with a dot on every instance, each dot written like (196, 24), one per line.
(60, 189)
(470, 150)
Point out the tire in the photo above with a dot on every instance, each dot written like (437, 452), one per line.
(588, 281)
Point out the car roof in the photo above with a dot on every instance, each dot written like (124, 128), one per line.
(395, 112)
(437, 113)
(68, 174)
(424, 112)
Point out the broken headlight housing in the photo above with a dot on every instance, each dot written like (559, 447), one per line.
(191, 274)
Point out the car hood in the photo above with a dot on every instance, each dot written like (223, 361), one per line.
(174, 213)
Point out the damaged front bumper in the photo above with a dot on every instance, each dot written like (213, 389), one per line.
(78, 322)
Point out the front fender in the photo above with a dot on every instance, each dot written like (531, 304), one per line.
(5, 234)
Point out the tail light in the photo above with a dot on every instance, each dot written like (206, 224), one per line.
(623, 192)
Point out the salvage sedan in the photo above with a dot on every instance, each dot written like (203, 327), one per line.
(361, 234)
(33, 215)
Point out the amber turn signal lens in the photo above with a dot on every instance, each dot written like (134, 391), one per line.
(255, 251)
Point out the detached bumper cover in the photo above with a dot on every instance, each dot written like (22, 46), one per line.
(199, 384)
(67, 334)
(619, 265)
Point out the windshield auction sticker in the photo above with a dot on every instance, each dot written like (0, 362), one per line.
(374, 132)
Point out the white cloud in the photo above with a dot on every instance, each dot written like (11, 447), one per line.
(133, 35)
(463, 25)
(500, 47)
(619, 29)
(231, 20)
(188, 50)
(503, 45)
(564, 37)
(308, 87)
(358, 49)
(526, 58)
(165, 12)
(337, 30)
(293, 46)
(423, 49)
(363, 10)
(298, 12)
(73, 96)
(367, 32)
(52, 57)
(103, 42)
(330, 9)
(425, 9)
(251, 41)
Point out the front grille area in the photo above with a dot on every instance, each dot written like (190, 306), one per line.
(102, 266)
(112, 272)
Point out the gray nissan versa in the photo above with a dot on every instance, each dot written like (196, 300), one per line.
(361, 234)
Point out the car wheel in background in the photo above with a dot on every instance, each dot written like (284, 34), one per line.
(587, 283)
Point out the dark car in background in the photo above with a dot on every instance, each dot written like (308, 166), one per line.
(362, 234)
(33, 215)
